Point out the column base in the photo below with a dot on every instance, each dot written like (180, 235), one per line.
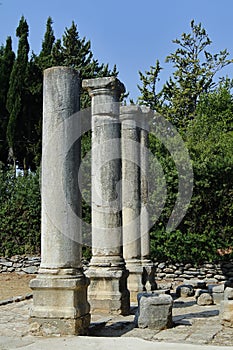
(134, 282)
(108, 291)
(60, 305)
(148, 278)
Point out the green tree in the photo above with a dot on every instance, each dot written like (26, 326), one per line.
(194, 72)
(7, 58)
(149, 95)
(19, 213)
(36, 67)
(45, 56)
(208, 225)
(210, 143)
(75, 52)
(195, 69)
(19, 126)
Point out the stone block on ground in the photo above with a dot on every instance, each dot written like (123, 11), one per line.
(228, 293)
(154, 311)
(226, 313)
(205, 299)
(196, 283)
(198, 292)
(185, 291)
(217, 292)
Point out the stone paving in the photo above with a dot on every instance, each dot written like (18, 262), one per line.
(193, 324)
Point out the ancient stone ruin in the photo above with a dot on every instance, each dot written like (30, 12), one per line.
(120, 270)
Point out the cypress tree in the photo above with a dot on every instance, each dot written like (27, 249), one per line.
(17, 101)
(7, 58)
(45, 56)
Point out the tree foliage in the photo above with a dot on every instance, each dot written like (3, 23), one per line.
(19, 125)
(7, 58)
(194, 71)
(201, 110)
(19, 213)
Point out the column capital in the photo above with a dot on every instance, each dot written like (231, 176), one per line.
(146, 115)
(131, 112)
(102, 86)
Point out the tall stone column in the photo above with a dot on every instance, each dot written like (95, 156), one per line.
(108, 275)
(148, 267)
(60, 290)
(131, 206)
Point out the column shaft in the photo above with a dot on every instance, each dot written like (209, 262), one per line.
(148, 267)
(108, 291)
(130, 141)
(60, 291)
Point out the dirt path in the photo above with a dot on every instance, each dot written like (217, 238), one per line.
(13, 284)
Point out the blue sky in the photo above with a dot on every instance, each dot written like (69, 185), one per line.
(132, 34)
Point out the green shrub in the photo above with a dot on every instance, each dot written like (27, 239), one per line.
(20, 217)
(186, 247)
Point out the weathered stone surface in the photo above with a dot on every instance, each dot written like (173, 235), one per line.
(108, 291)
(216, 288)
(228, 293)
(226, 313)
(30, 269)
(62, 302)
(198, 292)
(130, 153)
(185, 291)
(205, 299)
(196, 283)
(143, 189)
(108, 288)
(154, 311)
(60, 291)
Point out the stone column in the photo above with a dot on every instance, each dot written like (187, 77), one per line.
(60, 290)
(108, 288)
(148, 267)
(131, 206)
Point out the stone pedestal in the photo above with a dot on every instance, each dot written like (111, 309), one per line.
(154, 311)
(60, 290)
(108, 288)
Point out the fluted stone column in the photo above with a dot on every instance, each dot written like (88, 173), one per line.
(148, 267)
(131, 206)
(60, 290)
(108, 275)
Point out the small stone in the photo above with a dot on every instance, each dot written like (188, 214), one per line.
(170, 276)
(164, 285)
(161, 265)
(168, 270)
(196, 283)
(30, 270)
(220, 277)
(161, 274)
(228, 293)
(211, 281)
(187, 266)
(185, 291)
(7, 263)
(205, 299)
(199, 292)
(11, 269)
(216, 288)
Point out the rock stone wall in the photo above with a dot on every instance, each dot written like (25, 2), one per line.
(20, 264)
(180, 272)
(163, 271)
